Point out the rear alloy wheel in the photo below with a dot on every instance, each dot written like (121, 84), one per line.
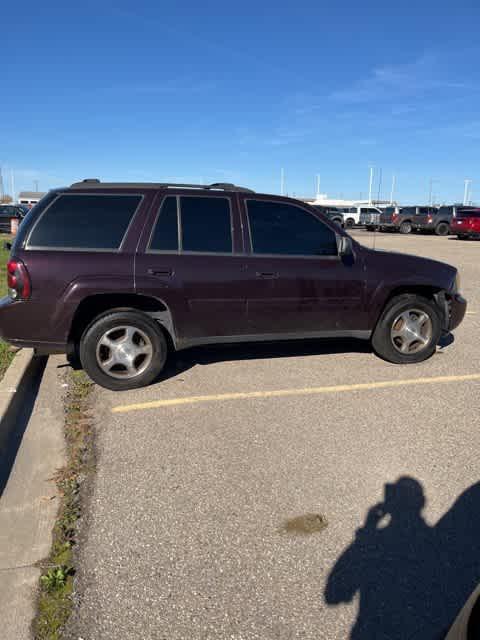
(408, 330)
(123, 349)
(442, 229)
(406, 227)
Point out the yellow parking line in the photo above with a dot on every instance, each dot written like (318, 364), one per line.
(280, 393)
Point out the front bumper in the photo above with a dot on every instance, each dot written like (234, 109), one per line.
(457, 308)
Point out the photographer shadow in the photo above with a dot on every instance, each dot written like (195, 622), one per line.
(412, 578)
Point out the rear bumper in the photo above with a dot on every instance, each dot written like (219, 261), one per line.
(20, 324)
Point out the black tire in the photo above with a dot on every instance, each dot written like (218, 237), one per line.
(109, 321)
(370, 227)
(349, 222)
(442, 229)
(462, 236)
(382, 341)
(405, 227)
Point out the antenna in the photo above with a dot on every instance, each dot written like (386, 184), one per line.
(379, 185)
(36, 185)
(393, 188)
(370, 186)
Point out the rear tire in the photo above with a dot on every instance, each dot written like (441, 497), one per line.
(406, 227)
(349, 222)
(123, 349)
(442, 229)
(387, 339)
(370, 227)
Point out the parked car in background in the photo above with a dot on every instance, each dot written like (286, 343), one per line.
(403, 219)
(370, 217)
(466, 223)
(333, 213)
(119, 274)
(353, 215)
(435, 220)
(7, 212)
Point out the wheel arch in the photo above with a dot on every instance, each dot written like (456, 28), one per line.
(431, 292)
(96, 304)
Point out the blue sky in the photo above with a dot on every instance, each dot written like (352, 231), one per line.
(219, 91)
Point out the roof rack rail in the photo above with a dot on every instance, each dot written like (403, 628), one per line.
(220, 186)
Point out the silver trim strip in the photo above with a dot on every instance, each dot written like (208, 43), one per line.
(185, 343)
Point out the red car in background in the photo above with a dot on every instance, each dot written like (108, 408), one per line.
(466, 223)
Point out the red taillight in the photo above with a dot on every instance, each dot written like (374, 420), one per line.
(18, 279)
(394, 217)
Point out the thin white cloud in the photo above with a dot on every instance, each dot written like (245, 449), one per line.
(388, 82)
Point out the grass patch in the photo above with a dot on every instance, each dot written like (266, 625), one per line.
(56, 582)
(6, 355)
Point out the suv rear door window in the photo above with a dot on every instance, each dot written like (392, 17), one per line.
(282, 229)
(165, 234)
(206, 224)
(84, 222)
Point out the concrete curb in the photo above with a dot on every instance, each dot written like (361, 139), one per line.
(20, 380)
(33, 449)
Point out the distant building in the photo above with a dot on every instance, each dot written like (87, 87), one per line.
(30, 197)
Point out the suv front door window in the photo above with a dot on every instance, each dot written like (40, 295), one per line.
(297, 283)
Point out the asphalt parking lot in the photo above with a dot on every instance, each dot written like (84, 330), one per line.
(210, 486)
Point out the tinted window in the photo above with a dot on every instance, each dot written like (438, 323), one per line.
(284, 229)
(468, 213)
(206, 224)
(445, 211)
(165, 235)
(85, 222)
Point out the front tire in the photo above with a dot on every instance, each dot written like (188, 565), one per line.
(123, 349)
(408, 330)
(349, 223)
(406, 227)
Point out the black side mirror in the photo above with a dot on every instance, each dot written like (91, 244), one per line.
(344, 244)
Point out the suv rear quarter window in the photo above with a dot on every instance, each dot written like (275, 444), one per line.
(84, 222)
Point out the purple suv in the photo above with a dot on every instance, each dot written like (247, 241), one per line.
(119, 274)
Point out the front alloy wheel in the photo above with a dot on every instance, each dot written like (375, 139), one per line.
(411, 331)
(408, 330)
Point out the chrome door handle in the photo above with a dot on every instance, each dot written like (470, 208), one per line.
(160, 273)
